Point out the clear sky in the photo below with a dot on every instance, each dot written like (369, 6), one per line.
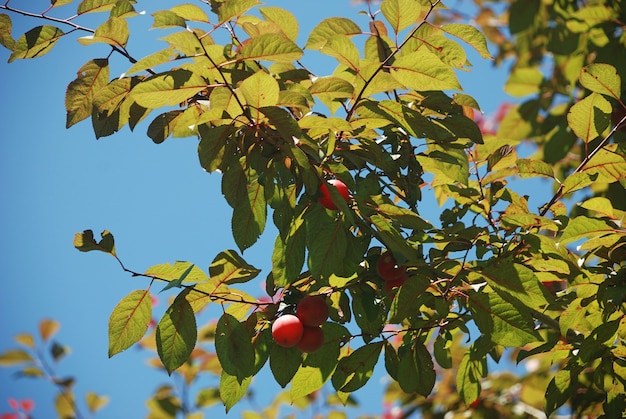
(155, 199)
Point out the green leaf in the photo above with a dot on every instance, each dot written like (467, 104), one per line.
(112, 32)
(401, 13)
(328, 29)
(583, 227)
(506, 324)
(81, 92)
(532, 168)
(168, 89)
(289, 253)
(416, 371)
(333, 87)
(470, 35)
(577, 181)
(234, 347)
(6, 40)
(36, 42)
(95, 402)
(163, 125)
(250, 213)
(284, 363)
(123, 9)
(129, 321)
(422, 70)
(232, 389)
(590, 117)
(230, 268)
(57, 3)
(231, 9)
(85, 242)
(167, 19)
(468, 378)
(190, 12)
(524, 81)
(355, 370)
(270, 47)
(177, 283)
(91, 6)
(15, 357)
(212, 146)
(344, 50)
(190, 273)
(176, 334)
(607, 165)
(284, 19)
(602, 78)
(327, 245)
(559, 390)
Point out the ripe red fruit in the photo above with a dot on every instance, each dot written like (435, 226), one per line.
(616, 117)
(312, 310)
(388, 269)
(326, 201)
(312, 339)
(287, 330)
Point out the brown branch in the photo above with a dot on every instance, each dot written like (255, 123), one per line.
(559, 193)
(384, 63)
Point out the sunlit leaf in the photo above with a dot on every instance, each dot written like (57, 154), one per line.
(607, 165)
(270, 47)
(15, 357)
(233, 8)
(35, 43)
(129, 321)
(601, 78)
(531, 168)
(343, 50)
(80, 94)
(583, 227)
(85, 242)
(232, 389)
(328, 29)
(167, 19)
(590, 117)
(524, 81)
(260, 90)
(401, 13)
(90, 6)
(168, 89)
(283, 18)
(190, 12)
(469, 34)
(112, 32)
(95, 402)
(172, 272)
(229, 267)
(6, 40)
(176, 334)
(423, 70)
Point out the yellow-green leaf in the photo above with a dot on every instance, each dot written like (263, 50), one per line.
(328, 29)
(95, 402)
(270, 47)
(112, 32)
(129, 321)
(85, 242)
(590, 117)
(90, 6)
(6, 40)
(532, 168)
(603, 79)
(401, 13)
(524, 81)
(343, 49)
(91, 78)
(190, 12)
(167, 19)
(229, 267)
(233, 346)
(260, 90)
(608, 164)
(231, 9)
(470, 35)
(423, 70)
(334, 87)
(232, 389)
(284, 19)
(36, 42)
(25, 339)
(14, 357)
(168, 89)
(57, 3)
(171, 272)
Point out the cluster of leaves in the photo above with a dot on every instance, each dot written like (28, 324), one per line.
(38, 358)
(385, 124)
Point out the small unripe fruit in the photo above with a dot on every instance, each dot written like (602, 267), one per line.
(312, 310)
(326, 200)
(312, 339)
(287, 330)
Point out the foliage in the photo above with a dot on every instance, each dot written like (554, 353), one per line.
(390, 122)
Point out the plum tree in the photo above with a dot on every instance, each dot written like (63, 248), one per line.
(388, 269)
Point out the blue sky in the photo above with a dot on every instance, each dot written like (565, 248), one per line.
(155, 199)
